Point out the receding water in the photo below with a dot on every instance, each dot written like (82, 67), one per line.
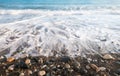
(64, 27)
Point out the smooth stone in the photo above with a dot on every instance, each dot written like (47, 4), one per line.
(94, 67)
(102, 68)
(108, 56)
(14, 74)
(87, 67)
(41, 73)
(11, 67)
(65, 59)
(41, 61)
(117, 71)
(21, 65)
(22, 74)
(27, 61)
(67, 65)
(82, 71)
(10, 59)
(29, 72)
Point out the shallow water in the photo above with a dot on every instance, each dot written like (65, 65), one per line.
(60, 30)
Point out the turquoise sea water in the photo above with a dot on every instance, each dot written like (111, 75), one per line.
(52, 4)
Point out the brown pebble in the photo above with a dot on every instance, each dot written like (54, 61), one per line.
(27, 61)
(94, 67)
(10, 59)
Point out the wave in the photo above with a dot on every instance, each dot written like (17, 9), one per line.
(59, 32)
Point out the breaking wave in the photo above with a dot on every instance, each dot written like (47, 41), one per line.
(72, 32)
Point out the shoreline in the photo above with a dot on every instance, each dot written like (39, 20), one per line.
(92, 65)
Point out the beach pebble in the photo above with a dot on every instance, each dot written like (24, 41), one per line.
(27, 61)
(41, 73)
(67, 66)
(29, 71)
(11, 67)
(14, 74)
(41, 60)
(94, 67)
(22, 74)
(10, 59)
(87, 67)
(102, 68)
(108, 56)
(65, 59)
(117, 71)
(82, 71)
(21, 65)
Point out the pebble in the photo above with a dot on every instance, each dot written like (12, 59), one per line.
(11, 67)
(102, 68)
(65, 59)
(41, 60)
(22, 74)
(83, 71)
(41, 73)
(21, 65)
(87, 67)
(14, 74)
(95, 67)
(29, 71)
(10, 59)
(108, 56)
(27, 61)
(117, 71)
(67, 65)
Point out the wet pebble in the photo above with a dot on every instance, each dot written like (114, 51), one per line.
(41, 73)
(22, 74)
(108, 56)
(67, 66)
(14, 74)
(10, 59)
(21, 65)
(87, 67)
(11, 67)
(27, 61)
(94, 67)
(65, 59)
(102, 68)
(117, 71)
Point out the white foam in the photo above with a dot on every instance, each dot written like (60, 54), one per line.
(45, 32)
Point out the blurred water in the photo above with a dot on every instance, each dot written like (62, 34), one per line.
(72, 27)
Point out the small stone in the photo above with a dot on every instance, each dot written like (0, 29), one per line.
(102, 68)
(14, 74)
(41, 73)
(21, 65)
(67, 65)
(117, 71)
(29, 71)
(41, 60)
(44, 66)
(94, 67)
(27, 61)
(10, 59)
(65, 59)
(87, 67)
(11, 67)
(22, 74)
(108, 56)
(83, 71)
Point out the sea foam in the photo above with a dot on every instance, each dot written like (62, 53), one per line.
(59, 32)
